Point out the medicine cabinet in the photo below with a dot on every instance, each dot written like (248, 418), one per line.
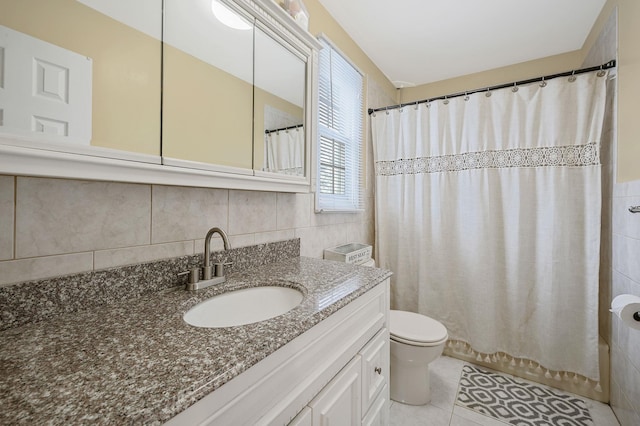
(157, 91)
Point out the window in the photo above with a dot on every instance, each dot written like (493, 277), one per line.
(340, 122)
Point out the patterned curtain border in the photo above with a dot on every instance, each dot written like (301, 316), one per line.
(557, 156)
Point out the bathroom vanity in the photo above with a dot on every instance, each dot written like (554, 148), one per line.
(139, 362)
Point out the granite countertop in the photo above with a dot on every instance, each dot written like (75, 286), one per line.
(138, 361)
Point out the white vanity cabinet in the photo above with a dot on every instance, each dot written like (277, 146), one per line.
(336, 371)
(359, 393)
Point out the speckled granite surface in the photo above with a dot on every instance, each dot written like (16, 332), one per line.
(138, 362)
(40, 300)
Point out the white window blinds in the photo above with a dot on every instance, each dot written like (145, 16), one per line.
(340, 122)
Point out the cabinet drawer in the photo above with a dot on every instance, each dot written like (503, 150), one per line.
(375, 367)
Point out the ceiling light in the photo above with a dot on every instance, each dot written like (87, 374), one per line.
(228, 17)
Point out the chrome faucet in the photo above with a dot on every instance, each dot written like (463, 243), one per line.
(206, 270)
(208, 278)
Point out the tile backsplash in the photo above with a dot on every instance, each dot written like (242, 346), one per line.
(58, 226)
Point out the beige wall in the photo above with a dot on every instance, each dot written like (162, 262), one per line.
(207, 113)
(521, 71)
(126, 67)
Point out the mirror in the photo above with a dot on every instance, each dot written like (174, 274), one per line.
(279, 96)
(81, 73)
(207, 115)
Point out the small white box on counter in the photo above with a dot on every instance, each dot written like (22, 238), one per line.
(355, 253)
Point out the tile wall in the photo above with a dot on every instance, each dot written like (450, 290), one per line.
(625, 342)
(52, 227)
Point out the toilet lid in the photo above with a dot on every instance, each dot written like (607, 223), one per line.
(412, 327)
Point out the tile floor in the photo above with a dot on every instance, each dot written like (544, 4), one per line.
(445, 374)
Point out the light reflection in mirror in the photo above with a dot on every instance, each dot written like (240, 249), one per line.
(207, 87)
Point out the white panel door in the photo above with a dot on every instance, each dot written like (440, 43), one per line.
(339, 402)
(45, 90)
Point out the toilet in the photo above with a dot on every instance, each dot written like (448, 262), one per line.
(416, 341)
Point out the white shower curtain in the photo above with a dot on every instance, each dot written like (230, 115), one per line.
(284, 151)
(488, 213)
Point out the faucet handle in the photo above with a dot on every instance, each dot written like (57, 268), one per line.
(194, 275)
(219, 268)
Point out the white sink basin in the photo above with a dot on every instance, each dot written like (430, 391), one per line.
(244, 306)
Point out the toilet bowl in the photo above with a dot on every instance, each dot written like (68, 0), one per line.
(416, 341)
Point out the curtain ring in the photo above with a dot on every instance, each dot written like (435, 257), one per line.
(515, 87)
(573, 76)
(543, 83)
(417, 106)
(446, 101)
(466, 96)
(488, 94)
(386, 110)
(428, 104)
(602, 72)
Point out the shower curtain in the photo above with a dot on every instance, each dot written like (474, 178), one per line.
(488, 213)
(284, 151)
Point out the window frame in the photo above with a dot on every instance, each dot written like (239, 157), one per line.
(352, 201)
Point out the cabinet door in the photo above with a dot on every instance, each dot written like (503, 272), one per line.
(378, 414)
(375, 367)
(339, 403)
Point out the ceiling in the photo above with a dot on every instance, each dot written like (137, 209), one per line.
(416, 42)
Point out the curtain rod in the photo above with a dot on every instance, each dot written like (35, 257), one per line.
(283, 128)
(610, 64)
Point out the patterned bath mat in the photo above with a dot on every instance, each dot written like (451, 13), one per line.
(519, 403)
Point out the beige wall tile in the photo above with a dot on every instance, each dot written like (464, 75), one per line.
(625, 369)
(242, 240)
(7, 216)
(270, 237)
(293, 210)
(15, 271)
(251, 211)
(216, 244)
(314, 240)
(624, 222)
(56, 216)
(626, 252)
(132, 255)
(180, 213)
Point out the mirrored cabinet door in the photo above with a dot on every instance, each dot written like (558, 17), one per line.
(80, 74)
(279, 106)
(207, 107)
